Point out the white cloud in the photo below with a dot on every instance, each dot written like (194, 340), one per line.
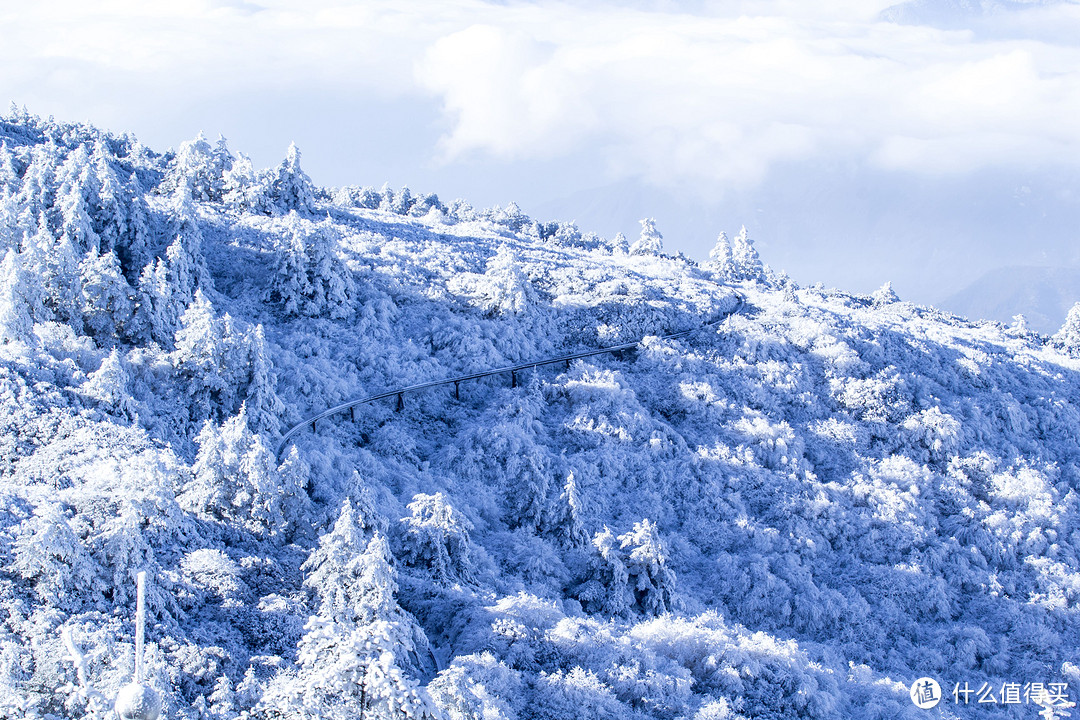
(713, 98)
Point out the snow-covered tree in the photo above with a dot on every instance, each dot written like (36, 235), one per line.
(157, 307)
(110, 384)
(885, 295)
(744, 256)
(264, 408)
(199, 356)
(201, 167)
(435, 537)
(721, 261)
(310, 277)
(1068, 336)
(505, 289)
(289, 187)
(9, 176)
(235, 478)
(245, 189)
(646, 568)
(107, 299)
(650, 242)
(16, 316)
(605, 589)
(628, 573)
(566, 524)
(49, 555)
(619, 244)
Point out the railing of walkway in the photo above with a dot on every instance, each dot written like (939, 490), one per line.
(399, 393)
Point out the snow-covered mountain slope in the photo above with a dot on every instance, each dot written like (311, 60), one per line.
(794, 513)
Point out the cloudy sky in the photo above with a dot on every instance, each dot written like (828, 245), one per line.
(926, 143)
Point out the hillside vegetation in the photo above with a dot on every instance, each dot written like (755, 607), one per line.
(795, 512)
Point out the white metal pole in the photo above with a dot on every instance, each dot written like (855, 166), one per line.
(140, 625)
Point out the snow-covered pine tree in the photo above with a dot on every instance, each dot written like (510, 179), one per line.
(235, 478)
(1068, 336)
(885, 295)
(108, 215)
(156, 311)
(75, 196)
(16, 316)
(201, 167)
(264, 408)
(109, 384)
(48, 554)
(133, 248)
(619, 244)
(566, 525)
(37, 188)
(747, 264)
(289, 186)
(289, 283)
(605, 589)
(352, 656)
(721, 261)
(330, 281)
(9, 176)
(199, 356)
(245, 189)
(107, 299)
(650, 242)
(505, 289)
(646, 568)
(435, 536)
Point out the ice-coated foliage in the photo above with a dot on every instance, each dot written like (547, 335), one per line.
(791, 513)
(651, 242)
(435, 537)
(1069, 334)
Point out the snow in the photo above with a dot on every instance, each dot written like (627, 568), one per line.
(795, 512)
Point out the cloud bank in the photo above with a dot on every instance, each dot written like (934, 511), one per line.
(713, 98)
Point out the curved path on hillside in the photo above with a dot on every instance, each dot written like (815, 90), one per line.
(513, 370)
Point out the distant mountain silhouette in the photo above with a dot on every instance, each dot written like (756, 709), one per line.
(1043, 294)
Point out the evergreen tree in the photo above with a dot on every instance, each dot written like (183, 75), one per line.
(885, 295)
(567, 526)
(156, 315)
(605, 589)
(264, 408)
(289, 284)
(1068, 336)
(331, 283)
(435, 536)
(505, 289)
(109, 216)
(235, 478)
(245, 189)
(290, 188)
(107, 299)
(37, 188)
(109, 384)
(651, 242)
(745, 258)
(619, 245)
(201, 168)
(75, 197)
(133, 247)
(721, 261)
(9, 176)
(16, 318)
(199, 356)
(646, 568)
